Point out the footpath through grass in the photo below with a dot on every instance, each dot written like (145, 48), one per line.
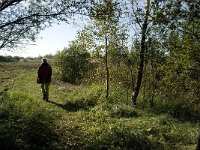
(79, 117)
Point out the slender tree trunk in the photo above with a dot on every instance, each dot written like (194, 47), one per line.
(132, 79)
(107, 69)
(154, 84)
(142, 54)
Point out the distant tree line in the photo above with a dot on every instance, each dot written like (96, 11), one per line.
(18, 58)
(10, 58)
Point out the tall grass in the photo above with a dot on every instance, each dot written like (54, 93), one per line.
(25, 124)
(183, 110)
(81, 118)
(114, 125)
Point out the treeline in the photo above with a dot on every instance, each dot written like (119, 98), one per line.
(18, 58)
(10, 58)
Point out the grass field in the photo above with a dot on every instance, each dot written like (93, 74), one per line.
(79, 117)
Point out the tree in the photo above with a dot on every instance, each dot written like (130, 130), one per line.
(142, 53)
(73, 63)
(106, 16)
(174, 32)
(22, 20)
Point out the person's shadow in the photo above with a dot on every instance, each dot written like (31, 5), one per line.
(67, 107)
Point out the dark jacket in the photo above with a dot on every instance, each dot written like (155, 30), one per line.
(44, 73)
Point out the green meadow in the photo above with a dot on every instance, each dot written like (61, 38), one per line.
(79, 117)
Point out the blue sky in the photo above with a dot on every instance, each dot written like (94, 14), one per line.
(51, 40)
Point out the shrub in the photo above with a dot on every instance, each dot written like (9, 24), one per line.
(72, 64)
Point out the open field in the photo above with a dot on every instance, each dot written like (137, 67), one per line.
(79, 117)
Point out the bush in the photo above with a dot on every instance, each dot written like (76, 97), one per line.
(72, 64)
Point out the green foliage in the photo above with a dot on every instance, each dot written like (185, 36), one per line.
(171, 79)
(73, 63)
(105, 11)
(92, 122)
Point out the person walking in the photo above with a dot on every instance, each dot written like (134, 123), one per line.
(44, 78)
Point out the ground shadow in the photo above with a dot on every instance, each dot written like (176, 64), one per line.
(67, 106)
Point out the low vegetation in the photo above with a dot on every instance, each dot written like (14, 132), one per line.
(79, 117)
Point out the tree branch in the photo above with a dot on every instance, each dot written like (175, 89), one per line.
(6, 3)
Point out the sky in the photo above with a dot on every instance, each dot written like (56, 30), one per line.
(50, 40)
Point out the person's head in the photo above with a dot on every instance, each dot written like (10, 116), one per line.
(44, 60)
